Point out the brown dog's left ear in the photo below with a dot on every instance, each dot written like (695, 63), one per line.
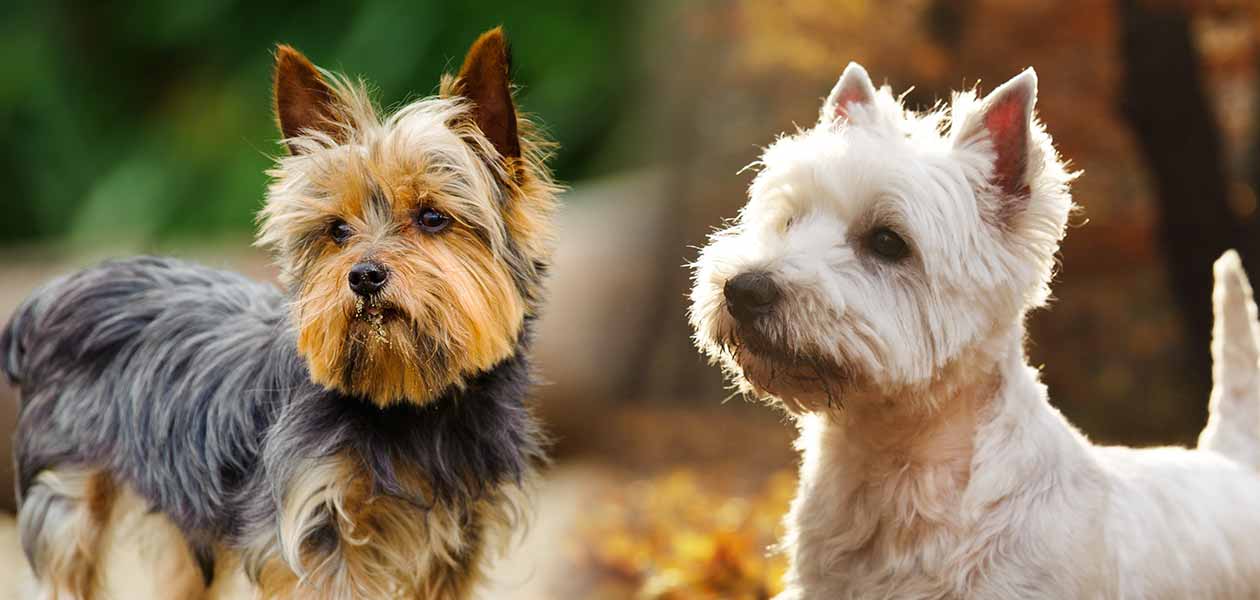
(484, 80)
(303, 100)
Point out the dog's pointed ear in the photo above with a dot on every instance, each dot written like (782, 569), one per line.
(853, 89)
(485, 81)
(1005, 119)
(303, 100)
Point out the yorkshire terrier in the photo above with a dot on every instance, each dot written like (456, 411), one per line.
(363, 434)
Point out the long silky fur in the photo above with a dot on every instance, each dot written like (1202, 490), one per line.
(184, 382)
(327, 451)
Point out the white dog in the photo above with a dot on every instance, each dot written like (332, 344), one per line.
(877, 283)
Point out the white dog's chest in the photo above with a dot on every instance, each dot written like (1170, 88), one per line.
(1079, 522)
(939, 566)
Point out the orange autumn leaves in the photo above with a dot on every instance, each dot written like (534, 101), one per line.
(676, 538)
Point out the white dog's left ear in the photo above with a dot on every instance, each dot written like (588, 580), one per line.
(1005, 116)
(854, 88)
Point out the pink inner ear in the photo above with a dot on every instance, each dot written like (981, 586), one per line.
(1007, 123)
(854, 95)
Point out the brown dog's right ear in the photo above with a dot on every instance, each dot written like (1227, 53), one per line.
(303, 100)
(485, 81)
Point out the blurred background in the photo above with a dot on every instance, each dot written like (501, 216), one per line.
(147, 129)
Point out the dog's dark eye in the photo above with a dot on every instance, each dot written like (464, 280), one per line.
(339, 231)
(887, 244)
(433, 221)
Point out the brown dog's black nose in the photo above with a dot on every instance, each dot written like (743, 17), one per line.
(368, 277)
(750, 295)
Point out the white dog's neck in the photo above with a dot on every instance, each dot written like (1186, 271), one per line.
(891, 474)
(883, 439)
(930, 428)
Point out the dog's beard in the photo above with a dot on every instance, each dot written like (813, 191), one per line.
(804, 380)
(373, 321)
(376, 349)
(422, 336)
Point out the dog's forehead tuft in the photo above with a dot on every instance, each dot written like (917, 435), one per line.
(837, 185)
(391, 176)
(831, 171)
(851, 167)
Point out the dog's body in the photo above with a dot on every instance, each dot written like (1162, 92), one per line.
(876, 284)
(338, 441)
(184, 384)
(1024, 508)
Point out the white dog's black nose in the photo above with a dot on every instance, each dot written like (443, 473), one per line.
(750, 295)
(368, 277)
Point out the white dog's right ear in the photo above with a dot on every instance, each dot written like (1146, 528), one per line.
(1005, 118)
(853, 89)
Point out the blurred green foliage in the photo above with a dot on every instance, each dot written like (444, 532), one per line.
(153, 120)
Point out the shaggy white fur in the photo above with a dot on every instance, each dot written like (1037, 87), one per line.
(886, 260)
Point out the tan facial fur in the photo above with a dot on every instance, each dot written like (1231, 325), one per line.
(455, 300)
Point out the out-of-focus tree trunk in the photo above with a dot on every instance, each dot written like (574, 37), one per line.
(1252, 176)
(945, 22)
(1164, 101)
(662, 361)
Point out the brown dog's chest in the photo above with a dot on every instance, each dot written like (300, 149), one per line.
(347, 540)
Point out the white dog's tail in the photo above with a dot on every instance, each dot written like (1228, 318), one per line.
(1233, 427)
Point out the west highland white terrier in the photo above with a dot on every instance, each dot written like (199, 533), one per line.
(876, 284)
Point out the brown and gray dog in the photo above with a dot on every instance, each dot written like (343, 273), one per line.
(361, 434)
